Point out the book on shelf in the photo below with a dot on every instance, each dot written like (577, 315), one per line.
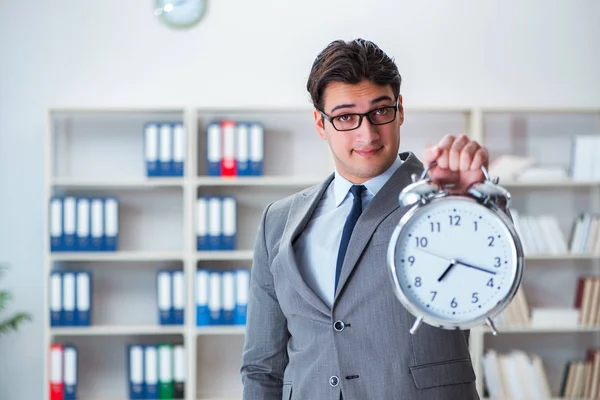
(581, 378)
(587, 300)
(585, 165)
(517, 311)
(515, 375)
(585, 235)
(540, 234)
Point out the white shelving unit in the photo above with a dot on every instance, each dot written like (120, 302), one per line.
(100, 152)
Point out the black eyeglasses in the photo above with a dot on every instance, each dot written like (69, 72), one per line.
(349, 122)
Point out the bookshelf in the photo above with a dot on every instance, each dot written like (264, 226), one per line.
(100, 152)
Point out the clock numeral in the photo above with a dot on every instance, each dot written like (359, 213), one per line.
(435, 226)
(411, 260)
(474, 298)
(490, 283)
(418, 281)
(475, 223)
(490, 241)
(498, 262)
(454, 220)
(434, 294)
(453, 303)
(421, 241)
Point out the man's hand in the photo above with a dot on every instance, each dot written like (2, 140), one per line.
(459, 162)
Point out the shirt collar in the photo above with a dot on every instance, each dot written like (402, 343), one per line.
(341, 185)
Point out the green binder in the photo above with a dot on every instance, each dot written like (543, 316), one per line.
(166, 389)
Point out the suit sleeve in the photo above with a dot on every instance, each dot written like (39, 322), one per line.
(264, 356)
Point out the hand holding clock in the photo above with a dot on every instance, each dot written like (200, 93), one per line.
(458, 162)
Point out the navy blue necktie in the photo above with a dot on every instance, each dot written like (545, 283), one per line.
(355, 212)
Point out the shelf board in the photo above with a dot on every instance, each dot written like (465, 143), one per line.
(230, 255)
(221, 330)
(538, 329)
(92, 183)
(117, 256)
(116, 330)
(275, 181)
(564, 256)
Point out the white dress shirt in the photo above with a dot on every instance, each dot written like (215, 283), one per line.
(317, 246)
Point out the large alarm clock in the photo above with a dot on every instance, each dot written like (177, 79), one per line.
(456, 261)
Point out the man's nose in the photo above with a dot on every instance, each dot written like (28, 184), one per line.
(367, 132)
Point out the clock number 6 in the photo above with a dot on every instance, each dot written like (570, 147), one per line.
(453, 303)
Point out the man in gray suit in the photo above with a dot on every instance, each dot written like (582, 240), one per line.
(323, 322)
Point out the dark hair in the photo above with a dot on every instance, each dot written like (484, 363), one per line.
(351, 62)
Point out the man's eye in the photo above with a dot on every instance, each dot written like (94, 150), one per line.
(345, 118)
(382, 111)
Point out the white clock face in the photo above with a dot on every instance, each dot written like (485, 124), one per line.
(180, 13)
(455, 260)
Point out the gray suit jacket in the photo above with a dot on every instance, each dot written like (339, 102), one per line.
(295, 350)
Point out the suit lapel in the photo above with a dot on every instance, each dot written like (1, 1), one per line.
(382, 205)
(301, 210)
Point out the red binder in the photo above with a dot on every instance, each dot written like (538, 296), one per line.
(56, 372)
(228, 164)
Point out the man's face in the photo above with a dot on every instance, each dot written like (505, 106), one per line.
(369, 150)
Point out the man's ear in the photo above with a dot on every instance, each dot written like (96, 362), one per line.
(319, 124)
(400, 110)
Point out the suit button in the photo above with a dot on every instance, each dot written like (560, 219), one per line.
(339, 326)
(334, 381)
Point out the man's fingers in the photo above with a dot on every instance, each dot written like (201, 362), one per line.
(444, 146)
(455, 151)
(481, 158)
(467, 154)
(431, 154)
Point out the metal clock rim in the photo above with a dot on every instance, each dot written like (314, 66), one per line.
(178, 25)
(516, 278)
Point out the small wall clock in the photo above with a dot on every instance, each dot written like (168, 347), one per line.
(180, 13)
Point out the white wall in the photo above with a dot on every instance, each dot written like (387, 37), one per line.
(114, 53)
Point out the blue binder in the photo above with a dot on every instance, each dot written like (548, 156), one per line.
(56, 224)
(242, 149)
(228, 297)
(257, 149)
(165, 149)
(214, 149)
(215, 225)
(70, 377)
(202, 288)
(178, 149)
(164, 287)
(242, 286)
(202, 224)
(83, 306)
(151, 371)
(229, 223)
(83, 224)
(215, 298)
(56, 308)
(97, 224)
(69, 298)
(111, 224)
(151, 149)
(69, 223)
(178, 291)
(136, 371)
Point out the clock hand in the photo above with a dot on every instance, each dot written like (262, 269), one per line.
(457, 262)
(475, 267)
(452, 264)
(435, 255)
